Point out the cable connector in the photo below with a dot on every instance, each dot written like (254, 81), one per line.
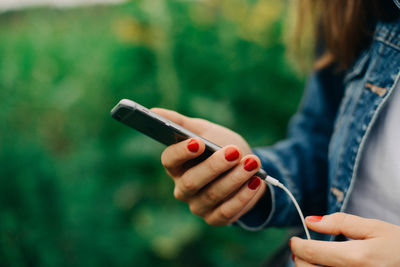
(273, 181)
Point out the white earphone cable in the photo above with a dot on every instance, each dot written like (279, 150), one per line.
(276, 183)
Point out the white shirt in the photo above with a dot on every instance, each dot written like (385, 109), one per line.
(376, 191)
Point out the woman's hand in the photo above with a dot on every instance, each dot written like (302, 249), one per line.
(375, 243)
(221, 188)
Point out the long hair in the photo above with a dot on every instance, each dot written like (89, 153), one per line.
(342, 28)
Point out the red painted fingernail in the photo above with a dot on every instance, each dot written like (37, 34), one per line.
(254, 183)
(250, 164)
(292, 257)
(290, 243)
(231, 154)
(193, 146)
(314, 218)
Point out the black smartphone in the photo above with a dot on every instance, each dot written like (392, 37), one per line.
(159, 128)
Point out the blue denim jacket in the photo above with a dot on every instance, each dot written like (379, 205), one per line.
(319, 159)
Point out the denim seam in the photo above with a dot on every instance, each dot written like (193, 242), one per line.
(357, 68)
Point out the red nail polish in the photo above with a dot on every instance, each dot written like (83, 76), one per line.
(290, 243)
(250, 164)
(254, 183)
(193, 146)
(292, 257)
(314, 218)
(231, 154)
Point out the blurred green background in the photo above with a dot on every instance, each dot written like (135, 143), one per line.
(78, 188)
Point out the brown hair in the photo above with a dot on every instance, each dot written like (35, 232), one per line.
(342, 27)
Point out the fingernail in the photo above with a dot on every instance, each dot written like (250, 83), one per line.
(314, 218)
(193, 146)
(250, 164)
(254, 183)
(231, 154)
(290, 243)
(292, 257)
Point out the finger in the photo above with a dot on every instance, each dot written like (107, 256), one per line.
(175, 156)
(323, 252)
(171, 115)
(228, 210)
(225, 186)
(301, 263)
(200, 175)
(341, 223)
(184, 121)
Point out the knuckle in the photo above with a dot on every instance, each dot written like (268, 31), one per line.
(195, 209)
(339, 218)
(188, 186)
(178, 194)
(238, 180)
(225, 213)
(309, 253)
(214, 167)
(210, 221)
(164, 160)
(244, 198)
(211, 196)
(344, 220)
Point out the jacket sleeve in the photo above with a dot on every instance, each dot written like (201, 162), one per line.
(300, 161)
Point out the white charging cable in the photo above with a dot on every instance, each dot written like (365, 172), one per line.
(276, 183)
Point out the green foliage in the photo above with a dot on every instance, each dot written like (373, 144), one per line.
(79, 189)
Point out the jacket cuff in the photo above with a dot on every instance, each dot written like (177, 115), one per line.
(261, 214)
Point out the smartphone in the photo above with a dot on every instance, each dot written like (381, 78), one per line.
(159, 128)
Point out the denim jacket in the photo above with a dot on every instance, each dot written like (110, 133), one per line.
(319, 159)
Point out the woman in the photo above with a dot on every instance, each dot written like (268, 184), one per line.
(341, 155)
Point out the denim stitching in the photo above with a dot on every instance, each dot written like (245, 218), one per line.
(388, 43)
(387, 34)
